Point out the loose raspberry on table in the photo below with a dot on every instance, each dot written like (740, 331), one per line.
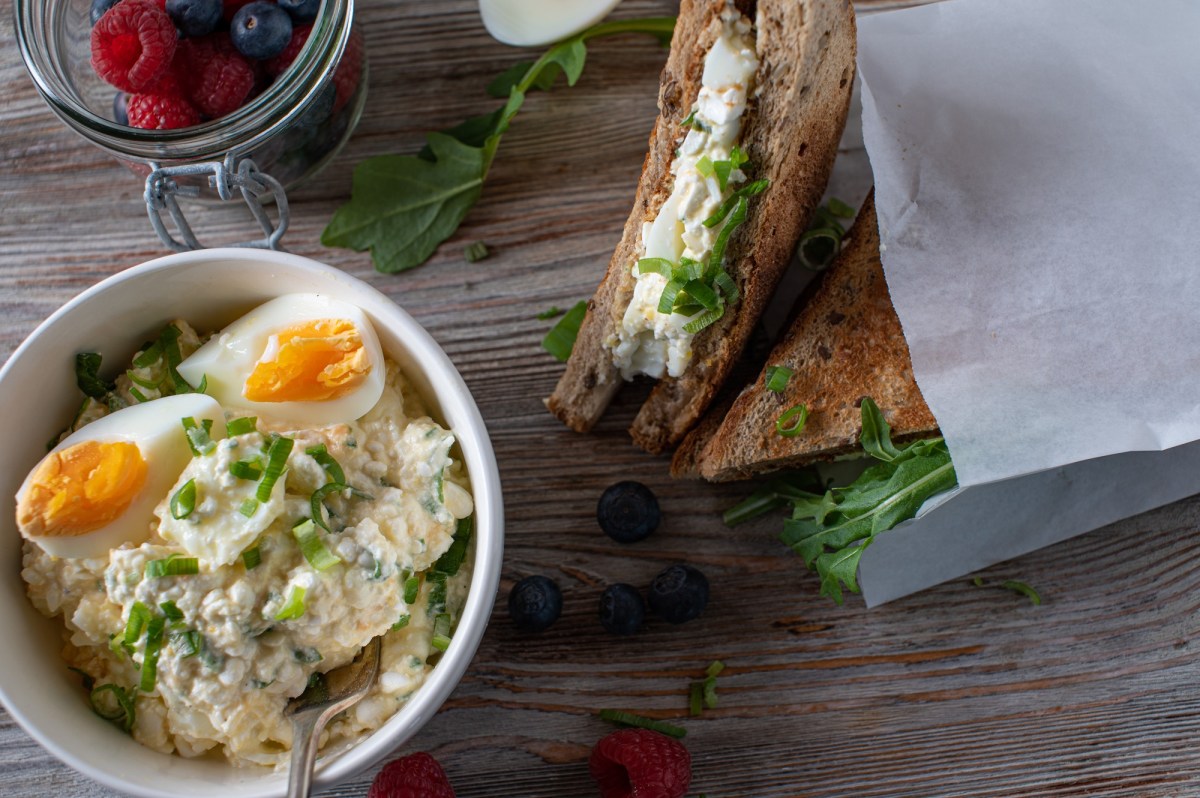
(278, 65)
(133, 44)
(349, 70)
(413, 776)
(221, 79)
(157, 112)
(639, 763)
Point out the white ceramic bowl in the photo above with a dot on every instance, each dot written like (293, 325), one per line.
(209, 289)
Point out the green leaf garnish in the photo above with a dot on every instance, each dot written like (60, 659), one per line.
(87, 375)
(1023, 589)
(876, 437)
(561, 339)
(404, 206)
(549, 313)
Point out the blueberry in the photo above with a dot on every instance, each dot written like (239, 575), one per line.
(120, 109)
(679, 594)
(534, 603)
(260, 30)
(195, 17)
(628, 512)
(301, 10)
(622, 609)
(99, 7)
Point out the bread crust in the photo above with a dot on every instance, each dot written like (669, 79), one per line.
(845, 344)
(791, 131)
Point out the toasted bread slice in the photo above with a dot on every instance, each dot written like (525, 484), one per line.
(791, 130)
(845, 344)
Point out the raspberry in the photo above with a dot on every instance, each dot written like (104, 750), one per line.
(133, 44)
(174, 81)
(221, 79)
(278, 65)
(413, 776)
(231, 7)
(349, 70)
(156, 112)
(638, 763)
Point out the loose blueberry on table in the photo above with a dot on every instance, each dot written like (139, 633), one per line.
(622, 610)
(628, 512)
(534, 603)
(679, 594)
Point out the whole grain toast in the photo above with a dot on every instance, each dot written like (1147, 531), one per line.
(792, 126)
(846, 343)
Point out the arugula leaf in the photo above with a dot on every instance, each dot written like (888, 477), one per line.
(403, 206)
(561, 338)
(830, 530)
(87, 375)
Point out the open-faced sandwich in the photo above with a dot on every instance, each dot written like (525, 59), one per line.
(753, 101)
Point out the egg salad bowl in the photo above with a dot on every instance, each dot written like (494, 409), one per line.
(223, 520)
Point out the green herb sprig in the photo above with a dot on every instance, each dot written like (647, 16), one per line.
(831, 529)
(403, 206)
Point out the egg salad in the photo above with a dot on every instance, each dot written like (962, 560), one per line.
(680, 283)
(231, 518)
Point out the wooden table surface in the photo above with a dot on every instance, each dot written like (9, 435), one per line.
(955, 691)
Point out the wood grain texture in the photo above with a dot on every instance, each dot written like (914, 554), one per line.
(959, 690)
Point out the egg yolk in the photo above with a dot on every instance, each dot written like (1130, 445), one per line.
(311, 362)
(81, 488)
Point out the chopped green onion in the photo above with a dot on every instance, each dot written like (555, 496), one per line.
(689, 120)
(696, 699)
(174, 565)
(697, 290)
(412, 585)
(138, 395)
(307, 656)
(738, 157)
(171, 611)
(705, 166)
(437, 593)
(277, 455)
(198, 436)
(660, 266)
(550, 313)
(122, 714)
(294, 607)
(318, 497)
(139, 616)
(666, 302)
(189, 643)
(250, 470)
(1023, 589)
(452, 560)
(169, 340)
(723, 169)
(725, 284)
(777, 378)
(87, 375)
(441, 632)
(791, 423)
(629, 719)
(326, 461)
(241, 426)
(312, 547)
(476, 252)
(745, 192)
(561, 339)
(819, 247)
(183, 501)
(248, 507)
(136, 380)
(710, 692)
(251, 557)
(717, 258)
(705, 319)
(839, 208)
(154, 639)
(150, 355)
(714, 670)
(86, 678)
(401, 622)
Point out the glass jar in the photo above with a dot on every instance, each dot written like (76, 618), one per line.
(277, 139)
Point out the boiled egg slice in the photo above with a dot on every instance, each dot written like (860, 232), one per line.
(526, 23)
(99, 487)
(300, 358)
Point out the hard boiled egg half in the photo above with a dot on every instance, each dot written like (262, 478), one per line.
(300, 358)
(526, 23)
(99, 487)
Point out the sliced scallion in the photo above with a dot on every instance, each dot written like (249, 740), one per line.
(241, 426)
(251, 557)
(248, 507)
(115, 704)
(777, 378)
(250, 470)
(791, 423)
(412, 586)
(630, 719)
(441, 632)
(188, 643)
(696, 699)
(139, 616)
(476, 252)
(277, 456)
(401, 622)
(138, 395)
(745, 192)
(316, 501)
(437, 593)
(199, 440)
(149, 355)
(171, 611)
(714, 669)
(183, 501)
(312, 547)
(326, 461)
(175, 565)
(154, 640)
(819, 247)
(839, 208)
(452, 560)
(294, 607)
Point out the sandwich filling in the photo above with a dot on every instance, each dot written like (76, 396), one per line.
(655, 335)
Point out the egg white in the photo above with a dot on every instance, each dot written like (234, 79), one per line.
(228, 359)
(527, 23)
(156, 428)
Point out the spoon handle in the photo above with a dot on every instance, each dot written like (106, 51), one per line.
(304, 753)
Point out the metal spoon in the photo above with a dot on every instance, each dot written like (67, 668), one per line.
(340, 689)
